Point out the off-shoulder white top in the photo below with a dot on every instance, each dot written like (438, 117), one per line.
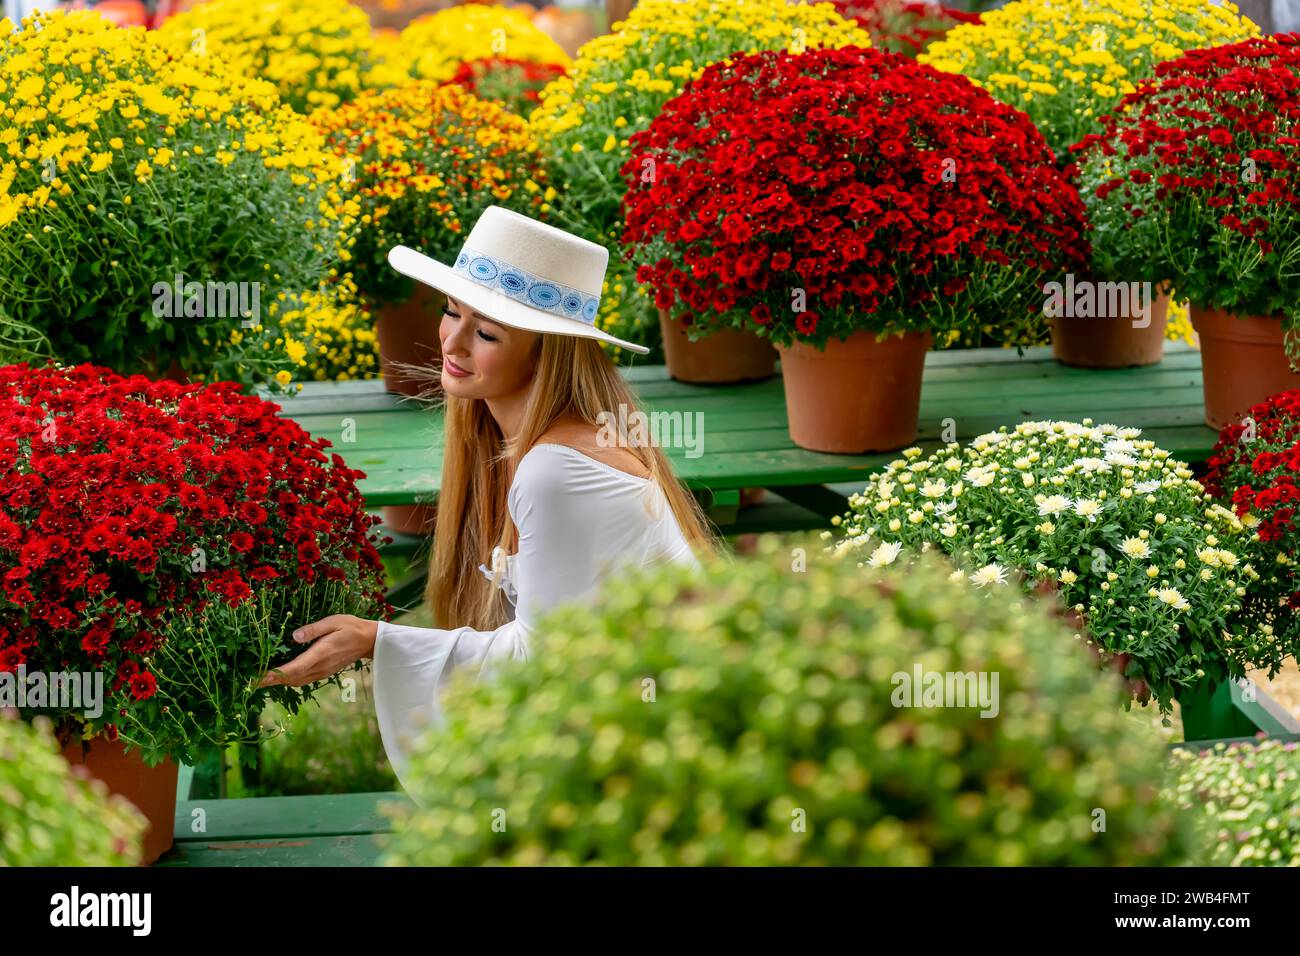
(578, 521)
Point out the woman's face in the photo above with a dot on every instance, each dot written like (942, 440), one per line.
(482, 358)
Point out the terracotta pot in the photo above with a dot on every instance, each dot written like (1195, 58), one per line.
(408, 335)
(1111, 342)
(728, 355)
(151, 789)
(1242, 361)
(858, 395)
(411, 519)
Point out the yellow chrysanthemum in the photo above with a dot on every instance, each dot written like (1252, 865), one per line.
(440, 42)
(1065, 62)
(314, 51)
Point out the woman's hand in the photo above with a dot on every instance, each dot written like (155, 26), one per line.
(340, 640)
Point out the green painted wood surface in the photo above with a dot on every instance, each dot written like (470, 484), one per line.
(359, 850)
(260, 818)
(328, 830)
(1213, 712)
(397, 441)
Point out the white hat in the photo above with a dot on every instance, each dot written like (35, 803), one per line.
(521, 273)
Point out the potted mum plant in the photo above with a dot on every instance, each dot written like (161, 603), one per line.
(1151, 569)
(439, 43)
(1241, 798)
(778, 699)
(1116, 314)
(1252, 471)
(52, 816)
(159, 225)
(1066, 65)
(162, 542)
(1202, 159)
(616, 87)
(316, 52)
(843, 204)
(425, 160)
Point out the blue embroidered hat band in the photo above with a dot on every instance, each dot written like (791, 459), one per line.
(526, 287)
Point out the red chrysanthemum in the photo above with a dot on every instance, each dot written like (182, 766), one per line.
(845, 189)
(1202, 160)
(147, 501)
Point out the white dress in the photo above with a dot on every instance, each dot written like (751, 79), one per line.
(578, 520)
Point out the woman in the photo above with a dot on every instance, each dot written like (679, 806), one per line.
(530, 475)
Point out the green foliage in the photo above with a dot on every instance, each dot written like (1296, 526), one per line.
(1242, 798)
(333, 747)
(744, 715)
(50, 816)
(209, 666)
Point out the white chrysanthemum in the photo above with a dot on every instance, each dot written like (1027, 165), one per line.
(1147, 487)
(1090, 465)
(980, 477)
(1054, 505)
(1121, 445)
(945, 507)
(989, 574)
(1067, 577)
(1119, 458)
(1135, 548)
(1087, 508)
(934, 489)
(886, 553)
(948, 530)
(1173, 598)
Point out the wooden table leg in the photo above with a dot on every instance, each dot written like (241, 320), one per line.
(816, 498)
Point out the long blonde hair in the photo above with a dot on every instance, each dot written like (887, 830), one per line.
(573, 378)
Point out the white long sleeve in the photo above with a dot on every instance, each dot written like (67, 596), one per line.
(578, 520)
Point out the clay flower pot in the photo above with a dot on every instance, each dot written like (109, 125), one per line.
(151, 789)
(858, 395)
(418, 520)
(408, 336)
(724, 356)
(1111, 342)
(1242, 362)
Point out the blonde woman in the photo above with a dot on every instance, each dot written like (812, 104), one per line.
(537, 504)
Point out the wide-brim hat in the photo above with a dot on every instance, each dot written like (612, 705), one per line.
(522, 273)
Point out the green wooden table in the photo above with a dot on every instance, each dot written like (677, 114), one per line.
(336, 830)
(397, 442)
